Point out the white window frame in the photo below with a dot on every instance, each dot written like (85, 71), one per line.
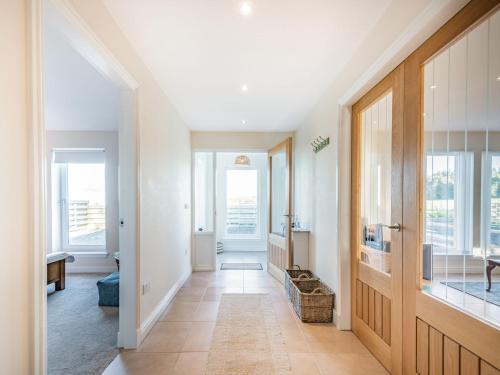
(463, 201)
(257, 234)
(64, 215)
(209, 194)
(485, 222)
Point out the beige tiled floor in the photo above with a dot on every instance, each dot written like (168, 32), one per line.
(180, 341)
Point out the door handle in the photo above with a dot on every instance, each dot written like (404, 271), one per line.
(395, 227)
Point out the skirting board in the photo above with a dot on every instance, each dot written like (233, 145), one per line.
(276, 272)
(148, 324)
(203, 268)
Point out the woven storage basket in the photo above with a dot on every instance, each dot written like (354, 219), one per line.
(313, 301)
(294, 275)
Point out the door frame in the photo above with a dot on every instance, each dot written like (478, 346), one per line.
(287, 147)
(83, 34)
(389, 355)
(422, 311)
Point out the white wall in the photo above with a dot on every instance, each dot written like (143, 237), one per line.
(15, 267)
(318, 202)
(89, 139)
(237, 141)
(165, 173)
(258, 161)
(76, 95)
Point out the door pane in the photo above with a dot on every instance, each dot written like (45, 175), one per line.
(241, 202)
(278, 198)
(86, 205)
(461, 117)
(375, 189)
(203, 191)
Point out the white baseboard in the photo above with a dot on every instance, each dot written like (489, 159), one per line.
(203, 268)
(89, 269)
(151, 320)
(276, 272)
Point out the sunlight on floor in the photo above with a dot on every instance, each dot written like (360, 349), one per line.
(179, 343)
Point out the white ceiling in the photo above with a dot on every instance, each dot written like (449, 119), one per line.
(288, 52)
(77, 97)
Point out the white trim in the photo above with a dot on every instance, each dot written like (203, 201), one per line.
(276, 272)
(342, 312)
(38, 348)
(155, 315)
(87, 43)
(74, 268)
(89, 254)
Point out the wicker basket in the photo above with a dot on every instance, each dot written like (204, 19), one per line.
(295, 275)
(313, 301)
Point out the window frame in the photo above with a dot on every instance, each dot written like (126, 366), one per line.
(463, 205)
(64, 214)
(485, 219)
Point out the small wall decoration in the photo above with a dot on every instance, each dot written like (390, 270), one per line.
(320, 143)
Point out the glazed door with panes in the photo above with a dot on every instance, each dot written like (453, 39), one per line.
(376, 237)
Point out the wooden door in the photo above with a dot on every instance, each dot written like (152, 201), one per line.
(450, 131)
(280, 205)
(376, 232)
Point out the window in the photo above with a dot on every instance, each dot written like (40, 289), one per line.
(85, 206)
(449, 192)
(79, 192)
(203, 191)
(242, 210)
(490, 226)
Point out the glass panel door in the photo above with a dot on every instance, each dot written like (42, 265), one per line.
(376, 233)
(278, 200)
(279, 238)
(375, 189)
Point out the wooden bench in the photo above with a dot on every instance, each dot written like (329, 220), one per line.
(56, 268)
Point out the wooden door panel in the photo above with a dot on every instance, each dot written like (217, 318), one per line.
(377, 266)
(436, 353)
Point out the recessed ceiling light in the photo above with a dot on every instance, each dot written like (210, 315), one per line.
(433, 87)
(246, 8)
(244, 88)
(244, 122)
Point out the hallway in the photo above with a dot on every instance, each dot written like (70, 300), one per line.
(180, 342)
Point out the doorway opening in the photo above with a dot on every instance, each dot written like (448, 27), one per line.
(242, 212)
(241, 204)
(88, 297)
(230, 209)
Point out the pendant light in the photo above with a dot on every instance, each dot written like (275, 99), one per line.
(242, 160)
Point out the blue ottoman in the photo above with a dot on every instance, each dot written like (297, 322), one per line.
(109, 290)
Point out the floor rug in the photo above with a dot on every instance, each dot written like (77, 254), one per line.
(241, 266)
(247, 338)
(477, 289)
(81, 336)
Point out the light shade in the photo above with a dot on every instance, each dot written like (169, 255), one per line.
(242, 160)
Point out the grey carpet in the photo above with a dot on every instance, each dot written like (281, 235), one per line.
(477, 289)
(241, 266)
(81, 335)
